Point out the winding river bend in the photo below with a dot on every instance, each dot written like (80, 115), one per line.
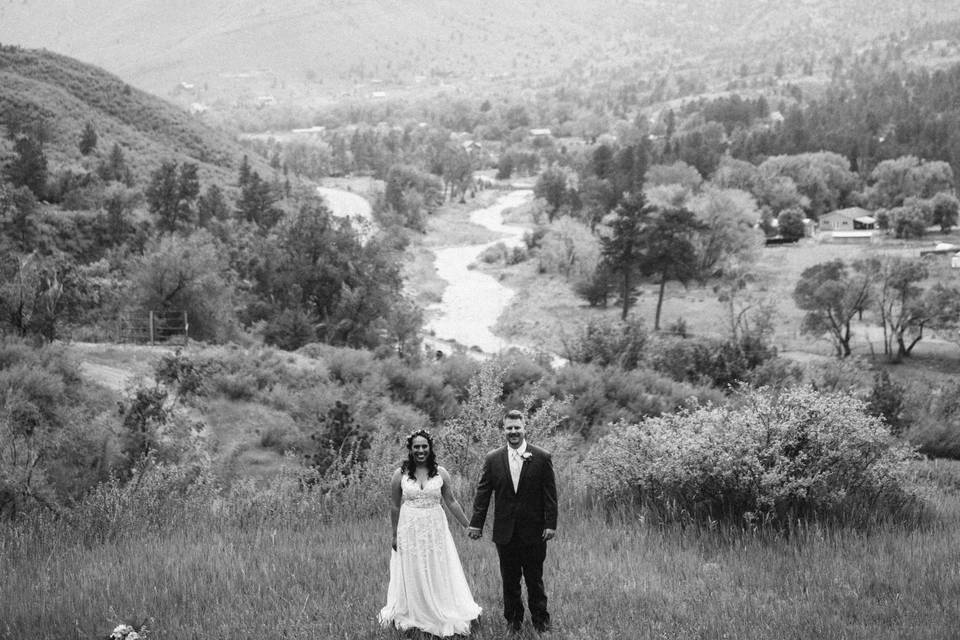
(473, 301)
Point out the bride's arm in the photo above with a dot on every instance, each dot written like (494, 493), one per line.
(395, 498)
(451, 501)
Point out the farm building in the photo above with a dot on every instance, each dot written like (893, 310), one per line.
(850, 219)
(853, 224)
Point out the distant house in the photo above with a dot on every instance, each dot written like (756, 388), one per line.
(955, 260)
(197, 108)
(850, 219)
(315, 131)
(540, 133)
(265, 101)
(853, 224)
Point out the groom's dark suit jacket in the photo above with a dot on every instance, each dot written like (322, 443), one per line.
(519, 516)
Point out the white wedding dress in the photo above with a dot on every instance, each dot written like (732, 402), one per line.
(428, 589)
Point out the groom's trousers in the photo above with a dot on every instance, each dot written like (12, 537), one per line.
(526, 561)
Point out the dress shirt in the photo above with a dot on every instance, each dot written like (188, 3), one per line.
(515, 457)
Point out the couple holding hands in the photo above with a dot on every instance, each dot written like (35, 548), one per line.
(428, 589)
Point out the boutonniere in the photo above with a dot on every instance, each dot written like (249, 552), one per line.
(526, 455)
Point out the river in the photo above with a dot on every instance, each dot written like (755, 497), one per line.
(473, 301)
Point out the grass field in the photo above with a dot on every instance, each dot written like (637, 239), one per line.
(306, 568)
(275, 562)
(546, 310)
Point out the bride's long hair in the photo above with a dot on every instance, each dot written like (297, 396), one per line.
(409, 465)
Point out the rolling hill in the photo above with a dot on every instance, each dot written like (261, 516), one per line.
(65, 94)
(301, 49)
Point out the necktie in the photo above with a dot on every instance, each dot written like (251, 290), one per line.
(515, 463)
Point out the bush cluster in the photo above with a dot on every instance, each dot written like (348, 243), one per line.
(770, 459)
(57, 436)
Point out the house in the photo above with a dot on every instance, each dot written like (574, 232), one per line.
(849, 219)
(853, 224)
(955, 260)
(315, 131)
(540, 133)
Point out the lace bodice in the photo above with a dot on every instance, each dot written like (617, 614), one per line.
(428, 496)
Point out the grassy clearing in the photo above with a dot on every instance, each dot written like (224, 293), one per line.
(546, 308)
(240, 570)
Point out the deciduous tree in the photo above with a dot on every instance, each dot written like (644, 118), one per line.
(832, 295)
(188, 274)
(171, 195)
(552, 187)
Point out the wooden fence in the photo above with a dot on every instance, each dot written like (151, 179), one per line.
(164, 327)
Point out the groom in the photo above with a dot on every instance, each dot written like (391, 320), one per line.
(521, 477)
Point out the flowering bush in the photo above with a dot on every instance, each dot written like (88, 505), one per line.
(766, 458)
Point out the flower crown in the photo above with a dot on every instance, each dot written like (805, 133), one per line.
(423, 433)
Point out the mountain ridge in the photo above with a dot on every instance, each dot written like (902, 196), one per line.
(330, 45)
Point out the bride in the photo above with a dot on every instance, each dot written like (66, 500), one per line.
(428, 589)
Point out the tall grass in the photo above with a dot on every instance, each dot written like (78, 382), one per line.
(281, 562)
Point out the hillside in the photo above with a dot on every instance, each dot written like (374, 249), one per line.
(64, 94)
(298, 50)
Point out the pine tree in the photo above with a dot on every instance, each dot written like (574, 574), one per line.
(88, 139)
(28, 168)
(623, 250)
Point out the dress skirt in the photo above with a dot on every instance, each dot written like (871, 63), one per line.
(428, 589)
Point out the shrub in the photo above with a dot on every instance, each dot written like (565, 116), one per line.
(500, 253)
(345, 365)
(289, 330)
(601, 395)
(520, 374)
(765, 459)
(934, 424)
(55, 433)
(886, 401)
(595, 287)
(186, 375)
(705, 360)
(337, 441)
(607, 343)
(421, 387)
(457, 371)
(569, 248)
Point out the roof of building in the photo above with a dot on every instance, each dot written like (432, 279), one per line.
(853, 213)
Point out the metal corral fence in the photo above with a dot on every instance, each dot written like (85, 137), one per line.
(152, 327)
